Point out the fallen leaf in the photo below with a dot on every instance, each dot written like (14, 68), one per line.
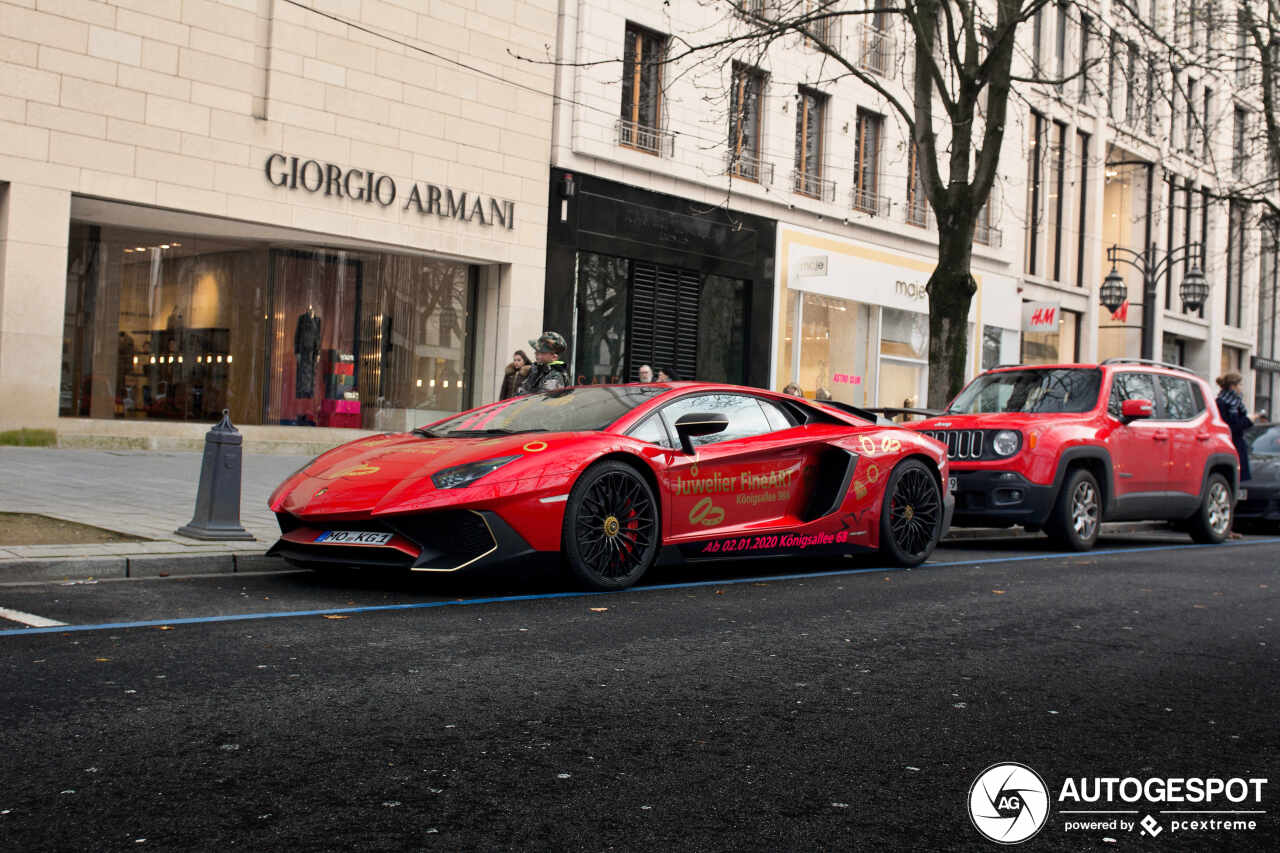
(599, 609)
(998, 591)
(719, 592)
(166, 628)
(1199, 607)
(102, 660)
(335, 616)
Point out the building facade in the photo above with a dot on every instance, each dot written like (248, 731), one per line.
(310, 213)
(1114, 152)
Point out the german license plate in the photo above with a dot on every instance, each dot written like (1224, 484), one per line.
(353, 537)
(952, 484)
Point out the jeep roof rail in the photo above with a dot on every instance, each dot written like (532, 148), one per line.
(1150, 362)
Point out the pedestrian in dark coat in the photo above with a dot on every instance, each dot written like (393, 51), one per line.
(517, 370)
(1232, 409)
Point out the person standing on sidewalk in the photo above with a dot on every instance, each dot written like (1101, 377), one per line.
(1232, 409)
(517, 370)
(549, 372)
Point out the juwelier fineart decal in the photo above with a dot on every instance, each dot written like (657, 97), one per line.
(1009, 803)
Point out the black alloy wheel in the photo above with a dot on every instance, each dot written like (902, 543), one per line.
(611, 533)
(911, 518)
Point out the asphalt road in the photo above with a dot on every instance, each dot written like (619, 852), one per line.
(817, 706)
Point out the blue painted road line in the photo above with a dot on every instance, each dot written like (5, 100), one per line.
(423, 605)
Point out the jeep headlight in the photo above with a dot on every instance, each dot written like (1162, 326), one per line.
(1006, 442)
(464, 475)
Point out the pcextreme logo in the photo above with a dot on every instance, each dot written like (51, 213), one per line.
(1008, 803)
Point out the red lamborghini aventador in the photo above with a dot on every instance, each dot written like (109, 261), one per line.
(609, 475)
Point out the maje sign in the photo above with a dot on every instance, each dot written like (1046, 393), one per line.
(370, 187)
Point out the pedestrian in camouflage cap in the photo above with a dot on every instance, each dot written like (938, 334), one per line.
(549, 372)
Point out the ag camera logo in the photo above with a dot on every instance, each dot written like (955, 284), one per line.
(1008, 803)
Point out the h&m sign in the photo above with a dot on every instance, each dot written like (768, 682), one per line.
(1040, 316)
(370, 187)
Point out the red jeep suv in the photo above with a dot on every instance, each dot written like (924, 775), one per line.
(1065, 447)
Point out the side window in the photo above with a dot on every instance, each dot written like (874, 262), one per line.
(1180, 402)
(652, 430)
(778, 418)
(746, 417)
(1130, 386)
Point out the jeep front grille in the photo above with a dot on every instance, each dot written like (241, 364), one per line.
(961, 443)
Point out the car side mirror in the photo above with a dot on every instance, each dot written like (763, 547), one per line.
(695, 424)
(1132, 410)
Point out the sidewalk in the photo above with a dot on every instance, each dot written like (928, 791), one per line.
(150, 494)
(142, 493)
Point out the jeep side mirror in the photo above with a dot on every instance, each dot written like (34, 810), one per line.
(698, 423)
(1132, 410)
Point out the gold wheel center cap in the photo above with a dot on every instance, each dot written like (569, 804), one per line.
(611, 526)
(910, 513)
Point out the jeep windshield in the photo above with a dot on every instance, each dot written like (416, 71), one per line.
(1031, 390)
(586, 407)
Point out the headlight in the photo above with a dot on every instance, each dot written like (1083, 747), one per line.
(1006, 442)
(463, 475)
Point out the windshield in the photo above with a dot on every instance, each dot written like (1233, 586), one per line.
(1264, 440)
(1035, 390)
(590, 407)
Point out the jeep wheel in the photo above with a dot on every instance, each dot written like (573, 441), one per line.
(1077, 515)
(1212, 521)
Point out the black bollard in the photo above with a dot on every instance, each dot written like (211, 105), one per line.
(218, 501)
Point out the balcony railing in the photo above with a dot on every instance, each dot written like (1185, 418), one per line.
(918, 212)
(749, 168)
(876, 50)
(814, 186)
(871, 202)
(988, 235)
(641, 137)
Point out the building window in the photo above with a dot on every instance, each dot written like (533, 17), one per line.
(811, 107)
(1113, 75)
(1086, 44)
(1060, 43)
(1238, 143)
(1236, 240)
(1205, 118)
(1034, 158)
(1149, 95)
(866, 162)
(1037, 41)
(744, 122)
(1267, 382)
(1054, 208)
(1189, 138)
(917, 197)
(642, 57)
(1082, 140)
(1172, 190)
(1131, 85)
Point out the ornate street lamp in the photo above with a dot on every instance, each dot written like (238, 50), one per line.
(1114, 291)
(1194, 289)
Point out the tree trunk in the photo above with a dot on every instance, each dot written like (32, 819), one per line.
(951, 288)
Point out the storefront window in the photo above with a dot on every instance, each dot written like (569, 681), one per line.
(829, 347)
(904, 358)
(179, 326)
(1053, 347)
(602, 297)
(722, 321)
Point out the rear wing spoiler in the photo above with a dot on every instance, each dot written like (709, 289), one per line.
(865, 414)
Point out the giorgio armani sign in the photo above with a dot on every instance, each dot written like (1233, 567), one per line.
(371, 187)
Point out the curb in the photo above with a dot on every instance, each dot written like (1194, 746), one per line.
(142, 566)
(53, 569)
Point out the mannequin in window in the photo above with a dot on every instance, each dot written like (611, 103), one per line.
(306, 351)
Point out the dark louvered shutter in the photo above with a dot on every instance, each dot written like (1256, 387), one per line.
(664, 319)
